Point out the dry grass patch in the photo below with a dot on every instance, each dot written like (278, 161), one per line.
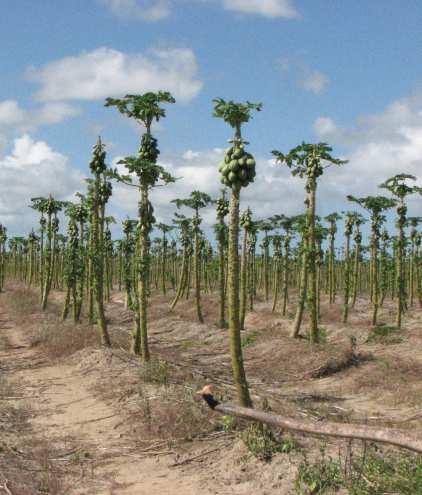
(58, 339)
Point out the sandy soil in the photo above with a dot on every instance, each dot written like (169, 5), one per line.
(89, 406)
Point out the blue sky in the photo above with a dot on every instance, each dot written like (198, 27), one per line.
(349, 73)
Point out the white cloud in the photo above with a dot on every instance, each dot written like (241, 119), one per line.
(314, 81)
(156, 10)
(33, 169)
(198, 170)
(146, 10)
(305, 77)
(379, 146)
(13, 117)
(266, 8)
(107, 72)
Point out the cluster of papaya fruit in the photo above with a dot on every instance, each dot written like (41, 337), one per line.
(149, 149)
(222, 207)
(238, 167)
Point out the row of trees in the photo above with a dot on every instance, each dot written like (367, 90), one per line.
(87, 264)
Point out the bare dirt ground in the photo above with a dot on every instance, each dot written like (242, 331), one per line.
(92, 421)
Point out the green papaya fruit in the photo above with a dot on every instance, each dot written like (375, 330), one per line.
(232, 177)
(243, 175)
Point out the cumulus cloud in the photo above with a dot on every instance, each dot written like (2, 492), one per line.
(198, 170)
(15, 120)
(145, 10)
(378, 147)
(314, 81)
(266, 8)
(107, 72)
(305, 77)
(156, 10)
(33, 169)
(14, 116)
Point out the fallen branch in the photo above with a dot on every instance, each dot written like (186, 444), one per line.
(341, 430)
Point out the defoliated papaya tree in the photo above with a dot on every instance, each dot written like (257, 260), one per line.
(350, 221)
(220, 229)
(74, 262)
(144, 109)
(33, 249)
(287, 223)
(185, 232)
(332, 220)
(80, 214)
(3, 240)
(164, 229)
(246, 223)
(277, 241)
(237, 171)
(265, 226)
(375, 205)
(50, 207)
(197, 201)
(99, 192)
(309, 161)
(384, 264)
(357, 256)
(399, 187)
(251, 246)
(414, 268)
(128, 250)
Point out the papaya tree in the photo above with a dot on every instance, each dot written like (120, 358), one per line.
(287, 223)
(385, 267)
(72, 263)
(144, 109)
(414, 268)
(3, 240)
(50, 207)
(128, 250)
(220, 229)
(99, 191)
(237, 170)
(332, 220)
(246, 224)
(33, 250)
(197, 201)
(375, 206)
(185, 231)
(164, 229)
(357, 256)
(350, 221)
(399, 187)
(309, 161)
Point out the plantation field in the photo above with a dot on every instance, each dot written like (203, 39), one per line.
(80, 418)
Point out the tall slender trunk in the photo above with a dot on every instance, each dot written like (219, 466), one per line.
(243, 280)
(144, 276)
(239, 376)
(312, 294)
(346, 279)
(221, 274)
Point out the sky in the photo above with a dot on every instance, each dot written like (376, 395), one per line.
(346, 73)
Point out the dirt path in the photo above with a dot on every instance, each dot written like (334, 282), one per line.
(68, 412)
